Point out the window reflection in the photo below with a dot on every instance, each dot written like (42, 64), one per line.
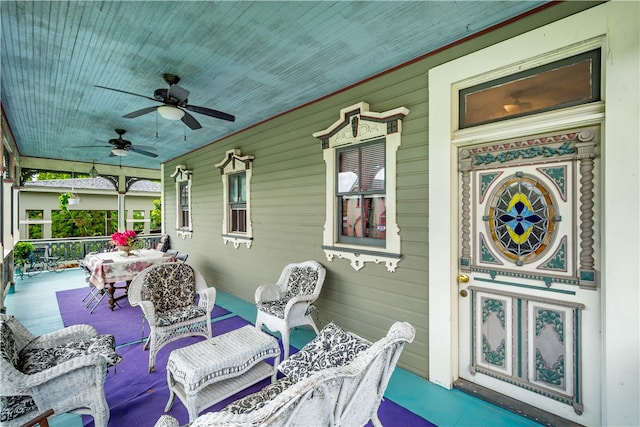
(568, 82)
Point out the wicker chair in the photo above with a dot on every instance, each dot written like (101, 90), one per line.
(167, 295)
(63, 371)
(289, 303)
(338, 379)
(163, 243)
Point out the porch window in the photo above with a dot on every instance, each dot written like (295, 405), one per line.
(182, 177)
(236, 172)
(361, 194)
(359, 150)
(238, 202)
(183, 219)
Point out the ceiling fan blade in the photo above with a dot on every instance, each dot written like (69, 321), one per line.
(140, 112)
(124, 91)
(191, 121)
(144, 147)
(90, 146)
(211, 113)
(141, 151)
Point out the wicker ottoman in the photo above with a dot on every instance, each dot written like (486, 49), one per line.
(207, 372)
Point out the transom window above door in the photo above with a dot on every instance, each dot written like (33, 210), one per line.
(559, 84)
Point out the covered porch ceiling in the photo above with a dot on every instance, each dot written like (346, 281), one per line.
(252, 60)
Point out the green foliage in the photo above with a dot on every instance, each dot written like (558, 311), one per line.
(45, 175)
(64, 200)
(21, 251)
(40, 175)
(35, 230)
(83, 223)
(156, 214)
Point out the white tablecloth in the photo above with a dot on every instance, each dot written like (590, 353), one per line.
(111, 267)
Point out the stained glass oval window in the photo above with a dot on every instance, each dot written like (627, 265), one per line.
(521, 218)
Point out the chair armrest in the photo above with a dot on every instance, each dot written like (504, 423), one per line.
(148, 311)
(166, 421)
(83, 368)
(267, 293)
(299, 304)
(207, 298)
(62, 336)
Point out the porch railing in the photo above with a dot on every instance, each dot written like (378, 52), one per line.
(75, 248)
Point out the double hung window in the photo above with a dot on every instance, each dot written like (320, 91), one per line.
(236, 171)
(361, 199)
(182, 177)
(238, 202)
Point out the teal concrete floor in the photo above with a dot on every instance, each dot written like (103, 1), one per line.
(34, 303)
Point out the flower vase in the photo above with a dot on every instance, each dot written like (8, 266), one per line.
(126, 250)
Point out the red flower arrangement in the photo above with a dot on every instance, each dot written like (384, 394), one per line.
(125, 238)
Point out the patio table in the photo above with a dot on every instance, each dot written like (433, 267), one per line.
(209, 371)
(109, 268)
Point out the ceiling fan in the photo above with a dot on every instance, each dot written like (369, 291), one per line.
(516, 105)
(174, 103)
(121, 147)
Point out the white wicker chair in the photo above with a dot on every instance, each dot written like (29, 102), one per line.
(167, 295)
(289, 302)
(344, 395)
(64, 370)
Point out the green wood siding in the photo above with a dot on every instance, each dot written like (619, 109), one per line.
(288, 204)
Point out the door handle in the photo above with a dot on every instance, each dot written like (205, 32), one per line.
(463, 278)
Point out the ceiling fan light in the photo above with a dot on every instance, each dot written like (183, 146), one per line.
(119, 152)
(511, 108)
(170, 112)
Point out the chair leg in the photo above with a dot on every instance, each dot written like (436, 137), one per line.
(90, 297)
(375, 420)
(313, 324)
(100, 412)
(102, 295)
(285, 343)
(152, 353)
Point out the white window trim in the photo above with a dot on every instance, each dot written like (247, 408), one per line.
(356, 125)
(234, 162)
(180, 175)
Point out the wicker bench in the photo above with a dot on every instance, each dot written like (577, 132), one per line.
(207, 372)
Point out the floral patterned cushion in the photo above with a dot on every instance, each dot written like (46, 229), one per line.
(163, 243)
(276, 308)
(331, 348)
(169, 286)
(257, 400)
(181, 314)
(8, 349)
(302, 281)
(36, 360)
(12, 407)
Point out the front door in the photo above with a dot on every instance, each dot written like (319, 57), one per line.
(529, 296)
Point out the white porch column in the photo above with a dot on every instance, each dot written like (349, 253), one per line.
(122, 223)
